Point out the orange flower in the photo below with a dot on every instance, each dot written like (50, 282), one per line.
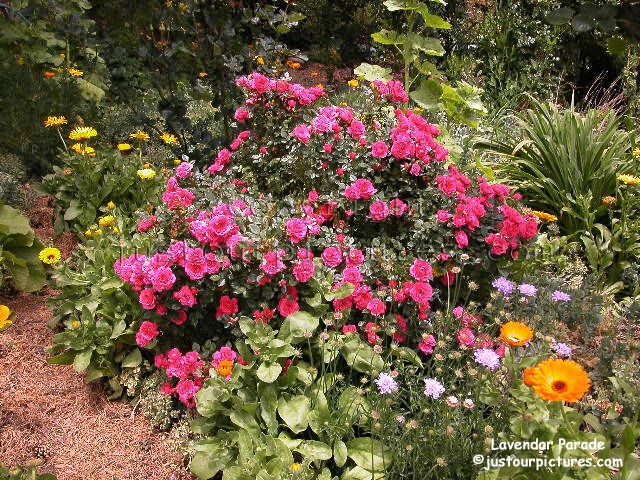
(49, 74)
(516, 333)
(558, 380)
(608, 200)
(314, 74)
(225, 367)
(292, 64)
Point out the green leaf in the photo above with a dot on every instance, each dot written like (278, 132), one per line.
(340, 453)
(89, 91)
(133, 359)
(617, 46)
(407, 354)
(434, 21)
(209, 400)
(302, 322)
(428, 95)
(388, 37)
(74, 210)
(245, 420)
(361, 357)
(372, 72)
(359, 473)
(294, 412)
(118, 328)
(369, 454)
(65, 358)
(582, 23)
(344, 290)
(267, 394)
(82, 360)
(559, 16)
(13, 222)
(428, 45)
(315, 450)
(268, 372)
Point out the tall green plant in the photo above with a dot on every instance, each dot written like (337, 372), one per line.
(563, 162)
(422, 79)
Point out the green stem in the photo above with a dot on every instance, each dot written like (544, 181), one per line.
(407, 50)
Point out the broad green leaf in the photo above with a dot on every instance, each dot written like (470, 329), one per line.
(428, 95)
(65, 358)
(268, 396)
(373, 72)
(302, 322)
(559, 16)
(13, 222)
(359, 473)
(582, 22)
(294, 412)
(82, 360)
(434, 21)
(388, 37)
(245, 420)
(133, 359)
(340, 453)
(369, 454)
(209, 400)
(407, 354)
(617, 46)
(428, 45)
(344, 290)
(361, 357)
(315, 450)
(268, 372)
(118, 328)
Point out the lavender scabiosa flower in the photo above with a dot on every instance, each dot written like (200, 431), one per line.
(433, 388)
(487, 358)
(559, 296)
(527, 290)
(503, 285)
(386, 383)
(562, 349)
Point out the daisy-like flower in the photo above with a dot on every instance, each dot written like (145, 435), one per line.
(452, 401)
(83, 149)
(516, 333)
(111, 205)
(53, 121)
(5, 313)
(124, 147)
(169, 138)
(353, 83)
(558, 380)
(636, 152)
(49, 255)
(74, 72)
(468, 403)
(106, 220)
(83, 133)
(146, 173)
(386, 383)
(628, 179)
(139, 135)
(545, 216)
(433, 388)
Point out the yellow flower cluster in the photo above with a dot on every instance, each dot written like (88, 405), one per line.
(124, 147)
(106, 220)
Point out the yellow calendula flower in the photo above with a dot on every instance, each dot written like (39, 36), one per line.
(5, 313)
(98, 231)
(83, 149)
(124, 147)
(74, 72)
(296, 466)
(106, 220)
(314, 74)
(319, 85)
(139, 135)
(83, 133)
(88, 233)
(293, 64)
(418, 110)
(169, 138)
(636, 152)
(53, 121)
(146, 173)
(146, 165)
(49, 255)
(177, 161)
(545, 216)
(115, 230)
(111, 205)
(629, 179)
(75, 324)
(260, 60)
(353, 83)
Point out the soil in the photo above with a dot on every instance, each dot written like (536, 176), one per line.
(48, 411)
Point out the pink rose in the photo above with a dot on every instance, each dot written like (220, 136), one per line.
(303, 270)
(378, 210)
(297, 229)
(332, 256)
(379, 149)
(147, 299)
(421, 270)
(462, 239)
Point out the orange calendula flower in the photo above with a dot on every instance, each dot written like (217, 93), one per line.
(319, 85)
(608, 200)
(516, 333)
(558, 380)
(545, 216)
(629, 179)
(53, 121)
(49, 74)
(225, 367)
(314, 74)
(203, 74)
(293, 64)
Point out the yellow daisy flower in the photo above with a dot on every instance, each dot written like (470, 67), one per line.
(629, 179)
(83, 149)
(74, 72)
(140, 135)
(545, 216)
(124, 147)
(636, 152)
(106, 220)
(111, 205)
(260, 60)
(146, 173)
(83, 133)
(53, 121)
(353, 83)
(169, 138)
(5, 313)
(49, 255)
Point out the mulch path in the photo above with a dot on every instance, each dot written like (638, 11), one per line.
(50, 406)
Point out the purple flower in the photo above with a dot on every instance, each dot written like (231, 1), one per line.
(559, 296)
(527, 290)
(487, 358)
(562, 349)
(386, 383)
(433, 388)
(503, 285)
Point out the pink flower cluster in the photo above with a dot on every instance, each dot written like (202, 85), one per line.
(187, 369)
(176, 197)
(393, 90)
(264, 90)
(147, 332)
